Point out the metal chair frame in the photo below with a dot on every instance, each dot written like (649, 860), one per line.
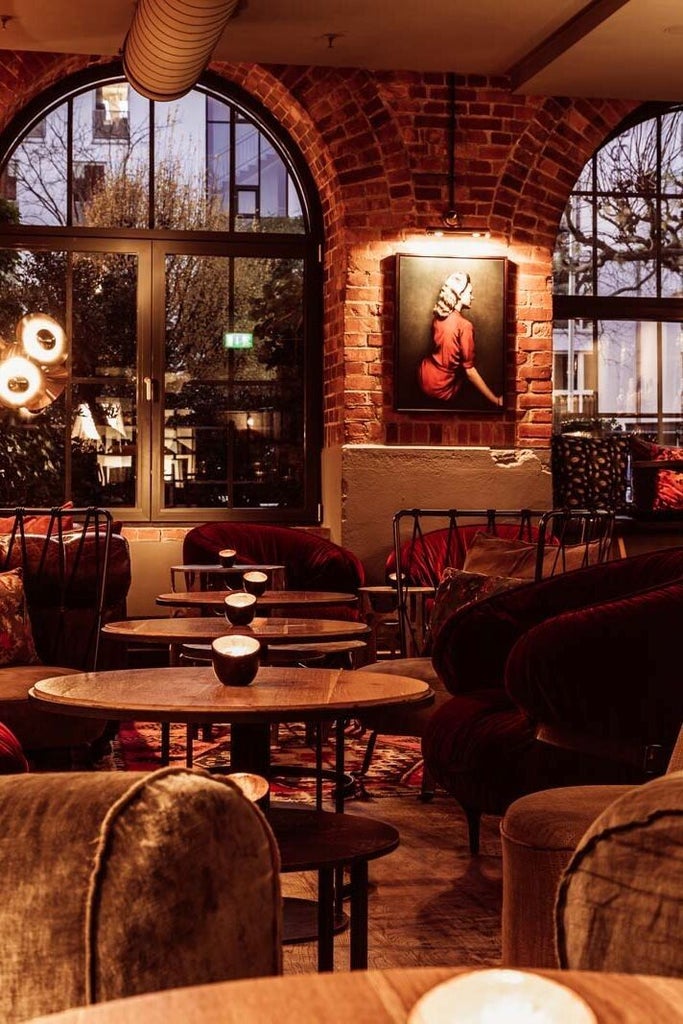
(63, 591)
(550, 530)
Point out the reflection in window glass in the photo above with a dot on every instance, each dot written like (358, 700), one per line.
(234, 383)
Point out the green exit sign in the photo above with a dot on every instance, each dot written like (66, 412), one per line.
(239, 339)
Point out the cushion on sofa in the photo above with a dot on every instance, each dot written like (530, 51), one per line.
(426, 556)
(499, 556)
(590, 472)
(619, 901)
(36, 524)
(16, 636)
(459, 587)
(657, 492)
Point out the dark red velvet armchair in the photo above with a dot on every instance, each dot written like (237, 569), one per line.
(567, 681)
(311, 562)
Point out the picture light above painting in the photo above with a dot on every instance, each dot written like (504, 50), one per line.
(450, 334)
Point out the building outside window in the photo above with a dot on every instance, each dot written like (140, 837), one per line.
(182, 257)
(618, 284)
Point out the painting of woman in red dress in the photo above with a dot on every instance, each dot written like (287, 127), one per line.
(437, 365)
(444, 371)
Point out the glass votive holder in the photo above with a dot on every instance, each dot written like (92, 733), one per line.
(255, 582)
(235, 659)
(254, 787)
(500, 995)
(227, 556)
(239, 608)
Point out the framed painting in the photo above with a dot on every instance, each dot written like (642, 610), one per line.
(449, 334)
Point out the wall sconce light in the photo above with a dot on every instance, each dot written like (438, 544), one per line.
(32, 373)
(450, 223)
(170, 42)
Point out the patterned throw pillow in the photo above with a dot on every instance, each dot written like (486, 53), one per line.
(590, 472)
(458, 588)
(16, 637)
(656, 490)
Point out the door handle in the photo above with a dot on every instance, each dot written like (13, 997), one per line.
(150, 388)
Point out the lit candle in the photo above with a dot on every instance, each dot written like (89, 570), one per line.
(501, 996)
(239, 608)
(254, 582)
(235, 659)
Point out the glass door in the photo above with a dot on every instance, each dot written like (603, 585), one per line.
(233, 382)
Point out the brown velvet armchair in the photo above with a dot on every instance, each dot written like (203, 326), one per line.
(114, 884)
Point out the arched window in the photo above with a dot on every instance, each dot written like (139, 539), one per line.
(618, 283)
(178, 246)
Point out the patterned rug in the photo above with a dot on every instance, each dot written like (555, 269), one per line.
(395, 769)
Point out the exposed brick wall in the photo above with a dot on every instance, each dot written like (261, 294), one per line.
(376, 143)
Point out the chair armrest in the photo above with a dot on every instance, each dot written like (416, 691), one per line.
(472, 647)
(604, 673)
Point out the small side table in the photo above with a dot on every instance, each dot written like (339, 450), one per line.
(416, 618)
(327, 842)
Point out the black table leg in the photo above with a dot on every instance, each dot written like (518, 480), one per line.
(359, 916)
(326, 917)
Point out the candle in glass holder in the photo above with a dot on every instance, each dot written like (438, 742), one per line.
(239, 608)
(235, 659)
(501, 996)
(255, 582)
(227, 556)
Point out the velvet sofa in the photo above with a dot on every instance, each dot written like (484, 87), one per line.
(311, 562)
(566, 681)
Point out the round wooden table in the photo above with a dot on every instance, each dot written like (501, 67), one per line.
(213, 599)
(195, 696)
(204, 574)
(268, 630)
(350, 997)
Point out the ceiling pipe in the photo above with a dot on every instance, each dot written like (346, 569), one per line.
(170, 42)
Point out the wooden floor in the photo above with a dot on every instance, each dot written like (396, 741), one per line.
(431, 903)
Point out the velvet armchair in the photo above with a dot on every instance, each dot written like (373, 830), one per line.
(563, 682)
(118, 883)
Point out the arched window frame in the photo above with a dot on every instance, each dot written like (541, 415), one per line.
(593, 386)
(307, 247)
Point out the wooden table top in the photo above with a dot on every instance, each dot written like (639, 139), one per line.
(356, 997)
(235, 568)
(203, 630)
(194, 694)
(271, 598)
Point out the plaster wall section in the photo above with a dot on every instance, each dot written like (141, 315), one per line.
(378, 481)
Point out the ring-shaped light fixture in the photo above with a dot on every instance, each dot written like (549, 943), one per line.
(42, 338)
(21, 381)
